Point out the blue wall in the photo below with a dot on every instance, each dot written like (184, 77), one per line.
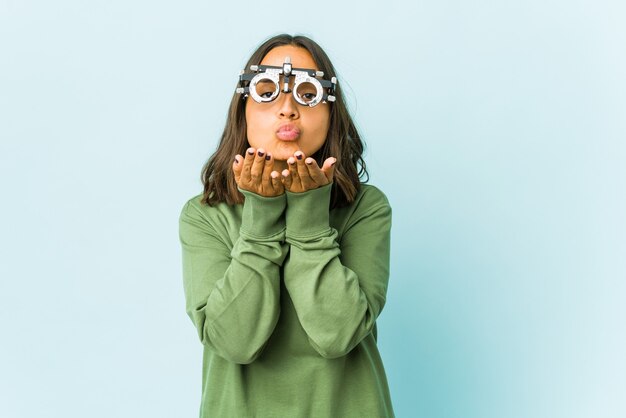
(495, 128)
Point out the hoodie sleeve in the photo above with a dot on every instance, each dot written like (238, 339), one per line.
(232, 294)
(338, 288)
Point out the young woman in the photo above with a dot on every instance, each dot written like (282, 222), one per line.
(286, 252)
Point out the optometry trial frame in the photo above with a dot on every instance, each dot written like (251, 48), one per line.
(309, 87)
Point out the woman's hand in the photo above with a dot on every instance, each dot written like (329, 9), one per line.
(304, 173)
(254, 173)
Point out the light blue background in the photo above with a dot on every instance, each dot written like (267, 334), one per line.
(496, 129)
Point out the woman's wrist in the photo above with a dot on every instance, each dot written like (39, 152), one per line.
(308, 213)
(262, 216)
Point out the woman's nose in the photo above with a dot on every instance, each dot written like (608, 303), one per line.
(287, 106)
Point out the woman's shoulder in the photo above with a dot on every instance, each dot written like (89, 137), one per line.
(192, 203)
(369, 200)
(370, 195)
(195, 207)
(370, 207)
(195, 201)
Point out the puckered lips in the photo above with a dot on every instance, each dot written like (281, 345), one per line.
(288, 132)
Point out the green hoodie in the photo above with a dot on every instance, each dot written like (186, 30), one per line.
(284, 294)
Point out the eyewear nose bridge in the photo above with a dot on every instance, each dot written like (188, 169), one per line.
(281, 82)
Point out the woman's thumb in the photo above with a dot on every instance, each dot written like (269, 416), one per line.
(237, 165)
(328, 168)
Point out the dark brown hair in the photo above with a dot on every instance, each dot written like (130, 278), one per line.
(342, 141)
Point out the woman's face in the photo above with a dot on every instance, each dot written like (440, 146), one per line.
(264, 119)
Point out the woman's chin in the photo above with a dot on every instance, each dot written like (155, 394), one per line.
(284, 151)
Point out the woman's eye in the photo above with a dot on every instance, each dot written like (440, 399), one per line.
(266, 95)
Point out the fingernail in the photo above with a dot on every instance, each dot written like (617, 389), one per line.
(309, 162)
(299, 156)
(267, 157)
(236, 160)
(251, 151)
(333, 163)
(261, 153)
(290, 161)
